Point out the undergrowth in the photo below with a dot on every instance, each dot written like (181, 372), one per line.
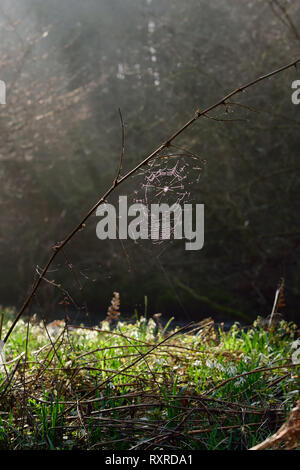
(141, 386)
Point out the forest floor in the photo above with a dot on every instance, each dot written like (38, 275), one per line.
(144, 386)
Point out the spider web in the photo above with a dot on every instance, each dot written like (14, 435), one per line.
(169, 178)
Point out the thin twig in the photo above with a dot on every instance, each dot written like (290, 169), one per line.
(122, 149)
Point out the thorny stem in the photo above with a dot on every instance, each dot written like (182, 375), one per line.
(117, 181)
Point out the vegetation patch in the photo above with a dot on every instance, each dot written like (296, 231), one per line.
(140, 385)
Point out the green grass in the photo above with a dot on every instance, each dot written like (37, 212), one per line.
(138, 387)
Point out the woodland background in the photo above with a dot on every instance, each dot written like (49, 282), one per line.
(69, 66)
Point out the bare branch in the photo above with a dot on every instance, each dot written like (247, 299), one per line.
(122, 148)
